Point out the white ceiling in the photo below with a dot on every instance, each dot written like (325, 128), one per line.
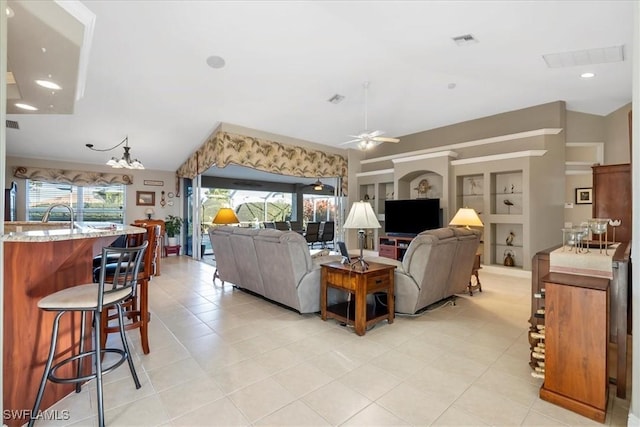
(147, 75)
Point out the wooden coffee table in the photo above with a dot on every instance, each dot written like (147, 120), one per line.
(359, 283)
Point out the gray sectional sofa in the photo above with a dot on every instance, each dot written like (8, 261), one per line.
(278, 265)
(272, 263)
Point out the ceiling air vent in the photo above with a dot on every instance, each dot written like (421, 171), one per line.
(465, 40)
(12, 124)
(585, 57)
(336, 99)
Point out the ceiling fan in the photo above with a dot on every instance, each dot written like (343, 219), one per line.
(368, 139)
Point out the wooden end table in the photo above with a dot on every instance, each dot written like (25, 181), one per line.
(377, 278)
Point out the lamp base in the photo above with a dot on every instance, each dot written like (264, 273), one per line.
(364, 265)
(148, 216)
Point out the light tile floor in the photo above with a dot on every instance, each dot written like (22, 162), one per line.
(221, 357)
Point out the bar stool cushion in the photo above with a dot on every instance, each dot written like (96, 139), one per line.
(82, 297)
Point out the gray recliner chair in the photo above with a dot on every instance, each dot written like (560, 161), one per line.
(436, 265)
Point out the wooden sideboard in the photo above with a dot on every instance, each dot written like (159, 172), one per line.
(619, 308)
(576, 323)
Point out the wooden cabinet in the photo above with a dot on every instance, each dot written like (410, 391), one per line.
(394, 247)
(618, 309)
(612, 197)
(576, 340)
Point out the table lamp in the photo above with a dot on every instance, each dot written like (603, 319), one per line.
(466, 217)
(149, 212)
(226, 216)
(361, 216)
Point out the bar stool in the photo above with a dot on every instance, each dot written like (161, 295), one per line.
(93, 297)
(137, 306)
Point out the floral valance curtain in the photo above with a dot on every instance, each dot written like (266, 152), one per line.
(224, 148)
(64, 176)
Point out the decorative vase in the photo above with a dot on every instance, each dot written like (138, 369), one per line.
(173, 241)
(509, 258)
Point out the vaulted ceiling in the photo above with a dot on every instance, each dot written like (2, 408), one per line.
(140, 68)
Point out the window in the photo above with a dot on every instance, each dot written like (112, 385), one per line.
(319, 208)
(99, 203)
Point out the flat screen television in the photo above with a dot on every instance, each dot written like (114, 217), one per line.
(410, 217)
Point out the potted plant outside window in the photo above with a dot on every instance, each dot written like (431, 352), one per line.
(173, 226)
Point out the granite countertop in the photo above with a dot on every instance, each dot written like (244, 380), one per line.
(31, 231)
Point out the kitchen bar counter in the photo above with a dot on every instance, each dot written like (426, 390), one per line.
(30, 231)
(38, 263)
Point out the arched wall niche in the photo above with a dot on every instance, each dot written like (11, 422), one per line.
(436, 170)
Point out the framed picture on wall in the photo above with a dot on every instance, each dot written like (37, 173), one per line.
(584, 196)
(145, 198)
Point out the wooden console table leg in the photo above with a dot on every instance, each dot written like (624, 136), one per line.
(361, 310)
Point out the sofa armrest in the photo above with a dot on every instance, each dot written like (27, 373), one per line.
(317, 261)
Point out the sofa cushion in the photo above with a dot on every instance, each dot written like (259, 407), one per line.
(244, 251)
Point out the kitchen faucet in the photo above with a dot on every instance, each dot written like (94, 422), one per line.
(45, 217)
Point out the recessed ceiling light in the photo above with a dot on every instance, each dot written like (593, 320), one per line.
(9, 12)
(215, 61)
(26, 106)
(587, 75)
(48, 84)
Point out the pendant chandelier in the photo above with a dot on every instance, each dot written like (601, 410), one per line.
(125, 161)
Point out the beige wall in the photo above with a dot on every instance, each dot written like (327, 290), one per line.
(132, 211)
(582, 127)
(549, 115)
(578, 213)
(616, 131)
(611, 130)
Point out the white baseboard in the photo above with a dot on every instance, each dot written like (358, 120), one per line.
(633, 420)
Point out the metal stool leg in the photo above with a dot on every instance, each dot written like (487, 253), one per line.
(126, 348)
(98, 365)
(83, 323)
(47, 368)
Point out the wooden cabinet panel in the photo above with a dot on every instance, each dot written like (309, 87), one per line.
(394, 247)
(576, 339)
(612, 197)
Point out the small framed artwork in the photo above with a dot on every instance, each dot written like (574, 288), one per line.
(153, 182)
(584, 196)
(145, 198)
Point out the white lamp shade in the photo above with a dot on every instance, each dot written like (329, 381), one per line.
(466, 217)
(361, 216)
(226, 216)
(149, 211)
